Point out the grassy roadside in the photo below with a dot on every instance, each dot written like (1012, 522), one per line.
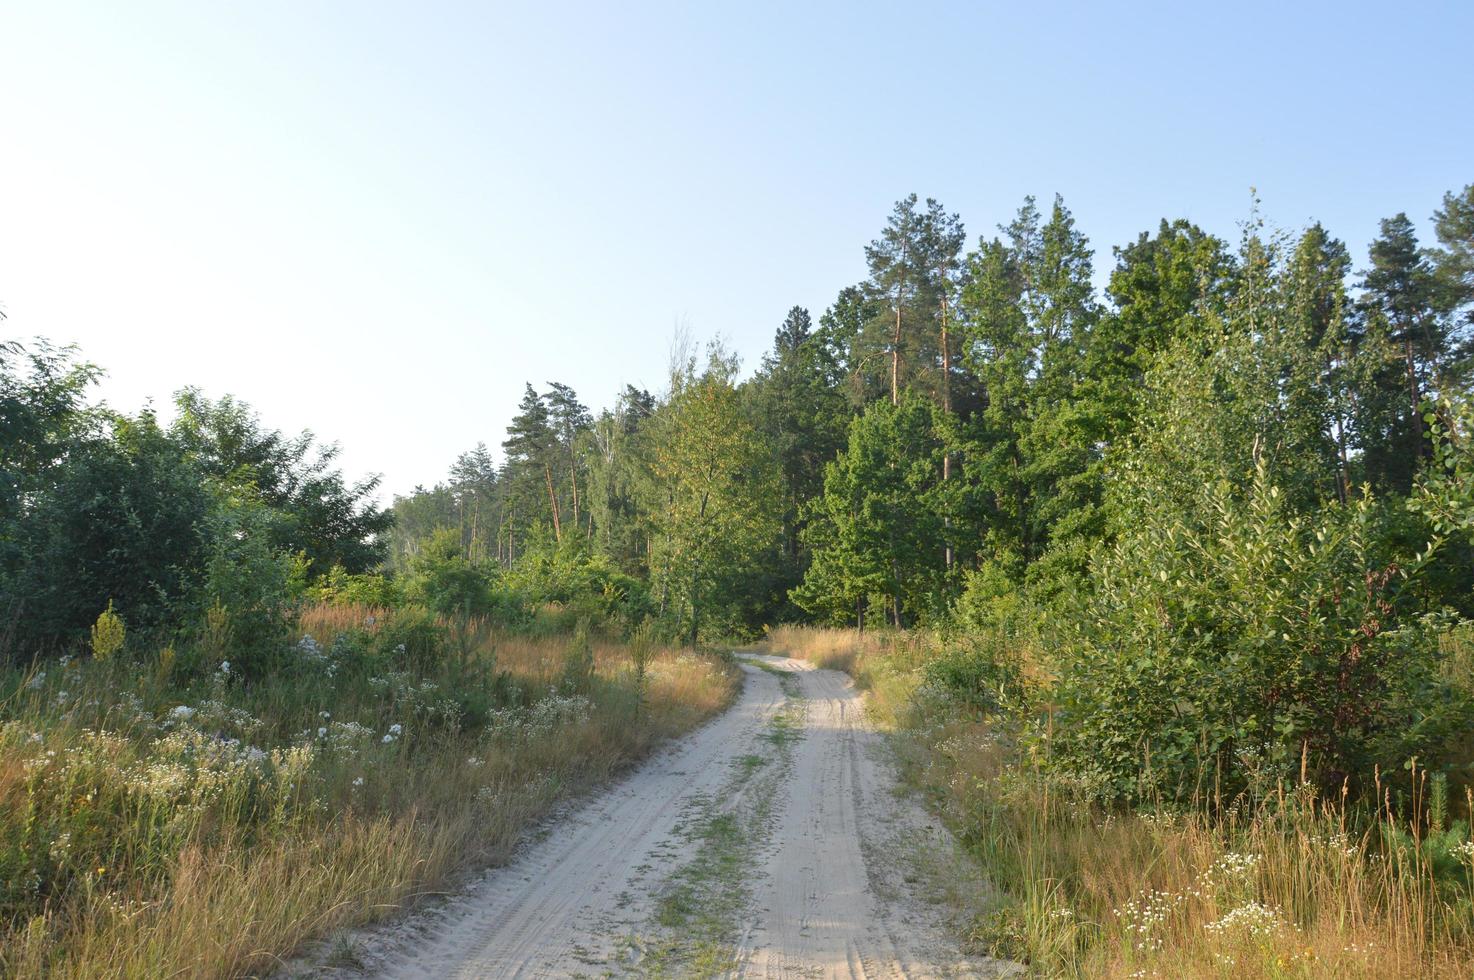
(1300, 888)
(159, 822)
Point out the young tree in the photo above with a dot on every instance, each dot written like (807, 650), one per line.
(715, 497)
(875, 529)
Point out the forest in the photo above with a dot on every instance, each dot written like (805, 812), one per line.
(1141, 580)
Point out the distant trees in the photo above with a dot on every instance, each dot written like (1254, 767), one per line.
(875, 530)
(957, 428)
(715, 506)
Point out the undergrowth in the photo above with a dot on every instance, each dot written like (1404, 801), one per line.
(162, 816)
(1293, 884)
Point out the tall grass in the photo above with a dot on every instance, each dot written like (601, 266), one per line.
(153, 824)
(1294, 887)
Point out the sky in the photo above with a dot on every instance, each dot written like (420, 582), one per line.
(377, 221)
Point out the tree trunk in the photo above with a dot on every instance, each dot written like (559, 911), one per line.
(573, 479)
(553, 499)
(946, 410)
(1412, 383)
(896, 358)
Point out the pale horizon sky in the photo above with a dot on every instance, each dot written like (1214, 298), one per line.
(377, 220)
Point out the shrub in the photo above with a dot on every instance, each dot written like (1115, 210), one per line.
(108, 633)
(1246, 648)
(247, 588)
(414, 636)
(122, 521)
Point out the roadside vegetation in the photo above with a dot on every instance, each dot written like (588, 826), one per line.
(159, 821)
(1174, 589)
(1287, 882)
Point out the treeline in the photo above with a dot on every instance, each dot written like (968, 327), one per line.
(1223, 505)
(953, 424)
(1218, 514)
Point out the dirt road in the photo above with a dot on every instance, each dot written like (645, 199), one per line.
(768, 844)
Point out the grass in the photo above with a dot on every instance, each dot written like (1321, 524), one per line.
(1296, 888)
(157, 821)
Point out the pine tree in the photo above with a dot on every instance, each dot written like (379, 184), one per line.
(530, 448)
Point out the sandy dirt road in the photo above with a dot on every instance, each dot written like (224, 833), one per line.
(770, 843)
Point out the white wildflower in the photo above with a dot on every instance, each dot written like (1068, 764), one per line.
(1252, 918)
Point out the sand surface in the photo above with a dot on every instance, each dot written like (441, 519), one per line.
(772, 842)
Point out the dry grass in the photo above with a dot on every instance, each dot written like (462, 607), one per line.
(1297, 888)
(185, 864)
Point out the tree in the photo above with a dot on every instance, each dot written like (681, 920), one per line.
(42, 417)
(898, 279)
(875, 529)
(1400, 318)
(802, 417)
(1029, 314)
(1453, 266)
(473, 487)
(570, 420)
(530, 448)
(940, 257)
(714, 498)
(842, 339)
(618, 479)
(327, 519)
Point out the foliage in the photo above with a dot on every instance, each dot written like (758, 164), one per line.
(330, 521)
(715, 500)
(1245, 649)
(109, 633)
(878, 529)
(123, 521)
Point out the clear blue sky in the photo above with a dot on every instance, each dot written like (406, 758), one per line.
(377, 220)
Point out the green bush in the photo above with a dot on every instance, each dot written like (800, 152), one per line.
(339, 586)
(123, 520)
(974, 676)
(247, 582)
(1234, 652)
(414, 637)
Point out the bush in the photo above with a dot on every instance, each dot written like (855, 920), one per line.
(975, 676)
(123, 520)
(1242, 650)
(443, 580)
(341, 587)
(413, 636)
(246, 598)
